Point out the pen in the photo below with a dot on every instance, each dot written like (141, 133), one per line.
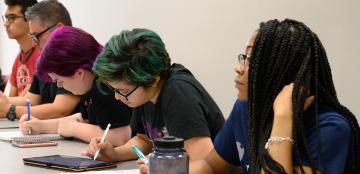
(140, 154)
(28, 108)
(28, 111)
(102, 140)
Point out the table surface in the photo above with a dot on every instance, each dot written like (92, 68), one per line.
(11, 157)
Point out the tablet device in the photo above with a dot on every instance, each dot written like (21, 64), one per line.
(68, 163)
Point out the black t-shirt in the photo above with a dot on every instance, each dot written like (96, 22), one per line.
(47, 91)
(2, 86)
(183, 106)
(100, 107)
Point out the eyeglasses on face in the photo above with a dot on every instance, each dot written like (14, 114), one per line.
(36, 37)
(126, 96)
(10, 18)
(242, 59)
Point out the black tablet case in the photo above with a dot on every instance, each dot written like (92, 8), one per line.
(68, 163)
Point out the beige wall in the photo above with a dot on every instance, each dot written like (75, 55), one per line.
(206, 35)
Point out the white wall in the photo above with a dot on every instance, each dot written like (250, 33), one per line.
(206, 35)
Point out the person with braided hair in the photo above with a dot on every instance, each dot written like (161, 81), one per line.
(287, 118)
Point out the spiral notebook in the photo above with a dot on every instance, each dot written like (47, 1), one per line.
(18, 136)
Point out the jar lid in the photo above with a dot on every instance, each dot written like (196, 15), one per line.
(169, 142)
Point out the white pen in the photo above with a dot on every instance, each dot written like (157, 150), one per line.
(102, 140)
(140, 154)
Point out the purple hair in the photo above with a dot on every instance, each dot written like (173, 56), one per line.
(67, 50)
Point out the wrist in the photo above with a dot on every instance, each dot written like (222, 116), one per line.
(283, 118)
(11, 112)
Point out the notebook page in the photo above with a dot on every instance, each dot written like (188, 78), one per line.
(18, 136)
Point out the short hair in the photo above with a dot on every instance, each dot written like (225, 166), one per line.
(24, 4)
(49, 12)
(136, 57)
(67, 50)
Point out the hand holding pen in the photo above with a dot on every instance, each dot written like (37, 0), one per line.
(102, 140)
(140, 154)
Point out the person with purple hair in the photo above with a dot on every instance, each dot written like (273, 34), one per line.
(67, 59)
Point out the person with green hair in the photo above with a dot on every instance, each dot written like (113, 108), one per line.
(137, 67)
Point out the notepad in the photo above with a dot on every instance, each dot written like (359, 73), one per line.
(18, 136)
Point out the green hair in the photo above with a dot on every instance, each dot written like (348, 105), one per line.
(136, 56)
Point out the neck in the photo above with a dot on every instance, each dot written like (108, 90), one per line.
(25, 43)
(157, 90)
(89, 80)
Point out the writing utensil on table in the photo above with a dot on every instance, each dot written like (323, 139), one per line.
(28, 111)
(140, 154)
(102, 140)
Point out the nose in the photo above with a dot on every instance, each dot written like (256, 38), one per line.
(6, 23)
(238, 69)
(121, 98)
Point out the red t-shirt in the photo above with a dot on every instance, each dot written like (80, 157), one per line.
(22, 71)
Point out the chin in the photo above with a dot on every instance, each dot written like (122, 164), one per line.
(242, 97)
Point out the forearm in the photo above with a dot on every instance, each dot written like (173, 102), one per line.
(200, 167)
(13, 91)
(119, 136)
(125, 152)
(49, 126)
(282, 152)
(84, 131)
(18, 101)
(44, 111)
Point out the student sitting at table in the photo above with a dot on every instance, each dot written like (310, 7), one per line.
(136, 65)
(288, 118)
(67, 59)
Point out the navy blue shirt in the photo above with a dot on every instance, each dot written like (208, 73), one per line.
(335, 139)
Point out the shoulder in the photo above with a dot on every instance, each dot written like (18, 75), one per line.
(331, 120)
(180, 83)
(239, 110)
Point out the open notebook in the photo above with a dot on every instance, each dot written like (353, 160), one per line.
(18, 136)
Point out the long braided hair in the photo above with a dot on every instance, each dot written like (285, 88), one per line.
(286, 52)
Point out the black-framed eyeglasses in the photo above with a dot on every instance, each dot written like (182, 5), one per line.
(242, 59)
(10, 18)
(126, 96)
(36, 37)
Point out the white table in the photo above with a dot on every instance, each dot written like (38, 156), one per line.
(11, 157)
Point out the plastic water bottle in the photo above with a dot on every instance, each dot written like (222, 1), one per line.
(169, 156)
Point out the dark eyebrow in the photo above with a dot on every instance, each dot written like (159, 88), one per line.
(11, 14)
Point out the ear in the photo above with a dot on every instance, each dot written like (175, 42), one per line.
(156, 81)
(59, 25)
(80, 72)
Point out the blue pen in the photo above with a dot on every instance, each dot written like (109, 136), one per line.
(28, 111)
(28, 108)
(140, 154)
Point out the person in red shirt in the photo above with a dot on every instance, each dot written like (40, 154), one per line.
(17, 28)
